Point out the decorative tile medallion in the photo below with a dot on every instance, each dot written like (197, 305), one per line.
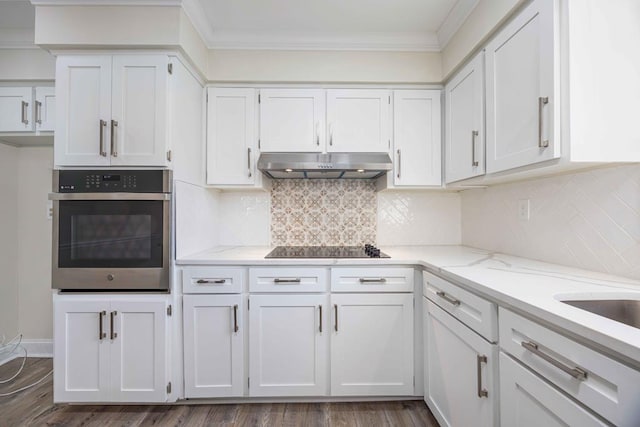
(329, 212)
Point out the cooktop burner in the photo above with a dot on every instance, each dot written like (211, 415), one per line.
(366, 251)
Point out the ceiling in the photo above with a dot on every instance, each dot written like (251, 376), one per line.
(406, 25)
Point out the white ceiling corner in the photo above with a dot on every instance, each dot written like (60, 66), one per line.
(452, 23)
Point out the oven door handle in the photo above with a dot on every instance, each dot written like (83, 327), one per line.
(109, 196)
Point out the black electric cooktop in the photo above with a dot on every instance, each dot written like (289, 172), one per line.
(366, 251)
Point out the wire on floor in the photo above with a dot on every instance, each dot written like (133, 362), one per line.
(10, 348)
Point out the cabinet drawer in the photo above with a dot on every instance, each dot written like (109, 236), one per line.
(212, 280)
(604, 385)
(279, 279)
(372, 279)
(475, 312)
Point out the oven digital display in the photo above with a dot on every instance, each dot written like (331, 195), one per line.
(110, 178)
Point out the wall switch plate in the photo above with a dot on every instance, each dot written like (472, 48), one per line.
(523, 209)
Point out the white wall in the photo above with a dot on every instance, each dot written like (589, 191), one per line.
(588, 220)
(35, 166)
(324, 66)
(27, 64)
(8, 241)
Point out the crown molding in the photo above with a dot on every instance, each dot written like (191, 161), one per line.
(16, 38)
(454, 21)
(106, 2)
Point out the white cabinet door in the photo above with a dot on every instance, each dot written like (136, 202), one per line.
(83, 110)
(292, 120)
(358, 120)
(213, 345)
(464, 122)
(81, 351)
(417, 138)
(528, 401)
(288, 345)
(15, 109)
(138, 351)
(45, 109)
(521, 100)
(372, 345)
(139, 131)
(460, 369)
(231, 139)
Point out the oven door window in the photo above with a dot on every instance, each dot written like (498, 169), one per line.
(110, 234)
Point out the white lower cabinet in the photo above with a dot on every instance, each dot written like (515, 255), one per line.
(460, 371)
(372, 344)
(213, 346)
(110, 350)
(288, 345)
(528, 401)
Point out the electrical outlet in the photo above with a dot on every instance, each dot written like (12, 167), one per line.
(49, 209)
(523, 209)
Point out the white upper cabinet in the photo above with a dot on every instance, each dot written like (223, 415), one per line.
(417, 138)
(16, 104)
(111, 110)
(231, 136)
(520, 86)
(292, 120)
(358, 120)
(464, 122)
(45, 109)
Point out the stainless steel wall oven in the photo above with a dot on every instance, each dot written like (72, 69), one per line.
(111, 229)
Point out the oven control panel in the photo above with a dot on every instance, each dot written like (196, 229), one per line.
(111, 181)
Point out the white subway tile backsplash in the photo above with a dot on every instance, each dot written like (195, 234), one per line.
(588, 219)
(243, 218)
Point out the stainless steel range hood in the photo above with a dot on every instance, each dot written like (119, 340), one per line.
(324, 166)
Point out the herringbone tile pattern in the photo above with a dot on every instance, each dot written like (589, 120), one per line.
(589, 220)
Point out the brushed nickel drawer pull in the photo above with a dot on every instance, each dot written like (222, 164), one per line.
(373, 280)
(114, 334)
(278, 280)
(217, 281)
(235, 318)
(102, 334)
(542, 101)
(576, 372)
(481, 391)
(447, 298)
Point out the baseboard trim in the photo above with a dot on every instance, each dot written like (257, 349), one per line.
(35, 348)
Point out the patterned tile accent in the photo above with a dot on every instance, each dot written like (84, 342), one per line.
(323, 212)
(588, 220)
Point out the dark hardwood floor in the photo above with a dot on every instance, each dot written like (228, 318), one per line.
(34, 407)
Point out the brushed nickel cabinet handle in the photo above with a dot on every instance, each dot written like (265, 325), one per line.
(25, 119)
(331, 134)
(317, 134)
(542, 101)
(373, 280)
(474, 134)
(335, 307)
(278, 280)
(481, 391)
(235, 318)
(399, 163)
(114, 141)
(216, 281)
(114, 334)
(39, 112)
(103, 125)
(249, 161)
(576, 372)
(101, 333)
(320, 322)
(447, 298)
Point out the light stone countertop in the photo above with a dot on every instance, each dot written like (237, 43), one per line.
(527, 286)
